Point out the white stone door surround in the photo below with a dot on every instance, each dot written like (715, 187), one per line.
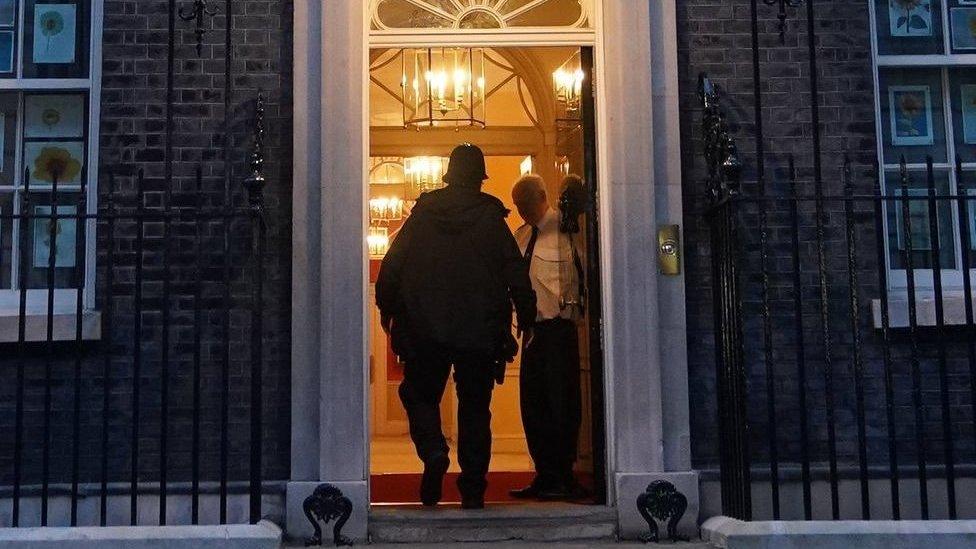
(640, 188)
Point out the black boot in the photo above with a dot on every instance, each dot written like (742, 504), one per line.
(431, 484)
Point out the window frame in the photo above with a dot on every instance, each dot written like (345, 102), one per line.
(952, 278)
(64, 298)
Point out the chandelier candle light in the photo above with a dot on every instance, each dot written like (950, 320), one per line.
(385, 209)
(423, 174)
(378, 241)
(443, 87)
(567, 83)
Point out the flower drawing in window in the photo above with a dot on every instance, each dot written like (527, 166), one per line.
(55, 116)
(50, 162)
(967, 98)
(963, 28)
(910, 110)
(910, 17)
(59, 236)
(55, 30)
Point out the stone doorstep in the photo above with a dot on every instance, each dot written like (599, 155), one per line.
(264, 535)
(729, 533)
(496, 523)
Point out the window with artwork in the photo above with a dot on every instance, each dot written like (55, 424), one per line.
(46, 129)
(925, 69)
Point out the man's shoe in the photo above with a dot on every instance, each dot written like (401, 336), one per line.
(472, 503)
(431, 484)
(529, 492)
(558, 492)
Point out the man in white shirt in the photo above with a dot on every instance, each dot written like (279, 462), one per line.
(550, 368)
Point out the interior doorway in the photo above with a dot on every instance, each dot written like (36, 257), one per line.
(531, 110)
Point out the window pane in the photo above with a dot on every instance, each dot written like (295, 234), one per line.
(912, 119)
(970, 224)
(6, 238)
(919, 220)
(56, 38)
(962, 94)
(8, 38)
(962, 26)
(66, 241)
(8, 139)
(909, 27)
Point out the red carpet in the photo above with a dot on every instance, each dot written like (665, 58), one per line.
(404, 488)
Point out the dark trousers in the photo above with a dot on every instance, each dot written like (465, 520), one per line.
(425, 378)
(551, 401)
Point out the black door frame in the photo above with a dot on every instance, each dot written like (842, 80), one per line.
(594, 295)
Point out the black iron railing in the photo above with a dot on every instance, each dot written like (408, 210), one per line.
(179, 291)
(844, 329)
(149, 384)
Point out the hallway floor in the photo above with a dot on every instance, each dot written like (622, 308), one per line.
(396, 455)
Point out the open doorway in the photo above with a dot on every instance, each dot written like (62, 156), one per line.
(530, 109)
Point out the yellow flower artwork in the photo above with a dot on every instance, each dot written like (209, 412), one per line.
(56, 163)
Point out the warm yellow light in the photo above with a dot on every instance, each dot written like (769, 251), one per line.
(378, 241)
(385, 209)
(567, 83)
(447, 86)
(423, 174)
(526, 167)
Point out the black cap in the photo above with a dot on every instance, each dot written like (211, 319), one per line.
(467, 166)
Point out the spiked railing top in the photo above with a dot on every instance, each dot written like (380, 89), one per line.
(721, 152)
(255, 181)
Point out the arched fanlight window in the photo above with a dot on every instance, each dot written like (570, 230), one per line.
(479, 14)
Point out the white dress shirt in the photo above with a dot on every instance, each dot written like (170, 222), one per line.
(553, 273)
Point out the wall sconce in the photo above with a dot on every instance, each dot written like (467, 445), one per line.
(378, 241)
(385, 209)
(526, 167)
(562, 166)
(567, 84)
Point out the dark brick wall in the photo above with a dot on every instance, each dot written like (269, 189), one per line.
(714, 37)
(133, 139)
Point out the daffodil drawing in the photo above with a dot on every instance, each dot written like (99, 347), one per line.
(910, 17)
(56, 163)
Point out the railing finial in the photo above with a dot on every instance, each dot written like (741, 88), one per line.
(256, 181)
(721, 152)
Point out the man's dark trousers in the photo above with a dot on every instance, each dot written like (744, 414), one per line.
(425, 378)
(551, 401)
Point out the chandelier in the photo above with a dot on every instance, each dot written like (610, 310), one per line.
(567, 83)
(443, 87)
(378, 241)
(385, 209)
(423, 174)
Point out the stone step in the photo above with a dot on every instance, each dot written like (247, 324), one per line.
(515, 522)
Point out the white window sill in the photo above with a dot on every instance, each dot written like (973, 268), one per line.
(953, 304)
(63, 326)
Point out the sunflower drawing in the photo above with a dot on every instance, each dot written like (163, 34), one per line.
(56, 163)
(910, 15)
(911, 115)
